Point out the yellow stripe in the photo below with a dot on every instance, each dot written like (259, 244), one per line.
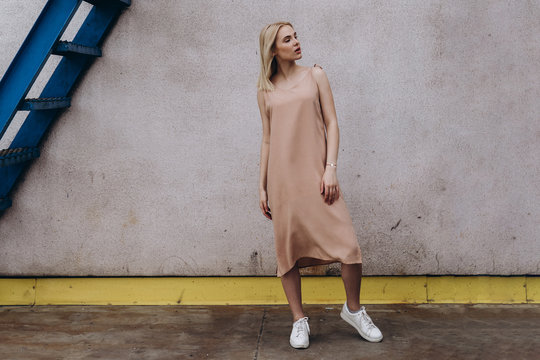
(17, 291)
(266, 290)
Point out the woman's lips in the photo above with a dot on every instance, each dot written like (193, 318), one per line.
(298, 50)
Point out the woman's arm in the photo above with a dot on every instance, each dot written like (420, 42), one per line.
(265, 150)
(329, 182)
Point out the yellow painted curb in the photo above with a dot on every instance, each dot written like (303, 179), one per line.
(17, 291)
(266, 290)
(477, 289)
(533, 289)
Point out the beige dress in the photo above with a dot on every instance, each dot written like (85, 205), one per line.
(306, 229)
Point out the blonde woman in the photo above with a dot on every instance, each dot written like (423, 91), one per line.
(298, 185)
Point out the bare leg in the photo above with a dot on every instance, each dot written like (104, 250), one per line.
(292, 287)
(351, 275)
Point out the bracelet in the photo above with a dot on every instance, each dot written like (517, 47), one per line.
(331, 164)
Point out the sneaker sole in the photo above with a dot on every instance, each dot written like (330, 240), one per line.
(299, 346)
(350, 322)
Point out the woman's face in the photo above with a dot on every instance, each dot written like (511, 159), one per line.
(286, 44)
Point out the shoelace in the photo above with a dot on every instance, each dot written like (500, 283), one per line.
(300, 328)
(365, 317)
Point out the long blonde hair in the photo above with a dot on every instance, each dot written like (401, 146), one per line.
(267, 39)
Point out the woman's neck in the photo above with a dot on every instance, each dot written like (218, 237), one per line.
(288, 69)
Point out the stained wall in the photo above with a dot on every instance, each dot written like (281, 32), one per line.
(153, 170)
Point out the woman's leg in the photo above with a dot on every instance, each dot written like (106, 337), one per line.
(292, 287)
(352, 278)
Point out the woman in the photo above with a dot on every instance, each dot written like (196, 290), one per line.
(298, 185)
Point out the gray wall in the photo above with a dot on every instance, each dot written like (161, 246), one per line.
(154, 168)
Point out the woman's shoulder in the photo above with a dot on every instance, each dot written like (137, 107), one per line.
(317, 69)
(318, 74)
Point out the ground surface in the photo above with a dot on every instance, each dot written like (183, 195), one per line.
(441, 331)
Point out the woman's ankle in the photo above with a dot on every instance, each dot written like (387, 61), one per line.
(354, 308)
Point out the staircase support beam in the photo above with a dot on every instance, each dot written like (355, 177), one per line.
(32, 56)
(4, 204)
(63, 81)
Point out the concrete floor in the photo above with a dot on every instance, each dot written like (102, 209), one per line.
(426, 331)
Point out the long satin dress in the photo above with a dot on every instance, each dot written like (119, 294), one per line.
(307, 230)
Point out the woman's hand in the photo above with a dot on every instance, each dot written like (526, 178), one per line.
(330, 186)
(263, 204)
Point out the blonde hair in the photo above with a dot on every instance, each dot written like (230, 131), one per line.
(267, 39)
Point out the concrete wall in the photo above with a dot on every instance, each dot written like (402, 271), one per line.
(154, 168)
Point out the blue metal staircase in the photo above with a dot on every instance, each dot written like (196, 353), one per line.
(77, 56)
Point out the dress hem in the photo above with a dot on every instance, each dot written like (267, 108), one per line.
(316, 262)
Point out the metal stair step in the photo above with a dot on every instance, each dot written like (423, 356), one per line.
(17, 155)
(109, 2)
(32, 56)
(4, 204)
(40, 43)
(45, 103)
(66, 48)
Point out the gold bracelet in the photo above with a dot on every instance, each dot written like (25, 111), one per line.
(331, 164)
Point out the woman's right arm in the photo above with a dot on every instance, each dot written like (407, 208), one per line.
(265, 150)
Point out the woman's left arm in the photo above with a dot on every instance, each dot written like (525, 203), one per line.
(329, 182)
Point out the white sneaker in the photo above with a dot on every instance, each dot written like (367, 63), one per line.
(363, 323)
(300, 333)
